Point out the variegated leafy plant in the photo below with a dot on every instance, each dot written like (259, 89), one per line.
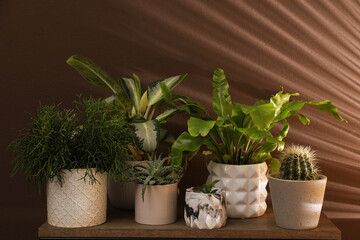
(242, 134)
(139, 105)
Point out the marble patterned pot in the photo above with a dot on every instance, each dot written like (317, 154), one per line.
(297, 204)
(77, 203)
(245, 187)
(159, 206)
(205, 211)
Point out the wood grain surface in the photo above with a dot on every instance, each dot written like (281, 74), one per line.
(122, 224)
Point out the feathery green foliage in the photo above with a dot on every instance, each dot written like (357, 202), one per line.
(298, 163)
(156, 172)
(94, 135)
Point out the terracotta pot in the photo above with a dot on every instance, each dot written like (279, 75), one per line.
(122, 195)
(245, 187)
(205, 211)
(159, 206)
(297, 204)
(77, 203)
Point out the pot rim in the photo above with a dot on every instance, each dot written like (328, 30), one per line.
(275, 177)
(240, 165)
(165, 185)
(218, 191)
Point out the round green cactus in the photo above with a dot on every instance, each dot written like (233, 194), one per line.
(298, 163)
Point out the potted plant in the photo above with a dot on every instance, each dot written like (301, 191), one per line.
(205, 206)
(156, 191)
(72, 152)
(143, 110)
(297, 191)
(241, 140)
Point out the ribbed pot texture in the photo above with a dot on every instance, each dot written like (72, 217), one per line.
(245, 187)
(297, 204)
(77, 203)
(159, 206)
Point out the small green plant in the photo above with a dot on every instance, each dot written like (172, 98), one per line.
(94, 135)
(208, 186)
(298, 163)
(155, 172)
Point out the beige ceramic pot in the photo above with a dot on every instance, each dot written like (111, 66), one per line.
(245, 187)
(159, 206)
(77, 203)
(121, 195)
(297, 204)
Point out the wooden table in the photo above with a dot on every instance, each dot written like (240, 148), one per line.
(121, 225)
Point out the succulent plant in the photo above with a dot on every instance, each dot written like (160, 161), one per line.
(155, 172)
(298, 163)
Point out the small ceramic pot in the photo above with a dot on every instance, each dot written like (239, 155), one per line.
(122, 194)
(77, 203)
(205, 211)
(245, 187)
(297, 204)
(159, 206)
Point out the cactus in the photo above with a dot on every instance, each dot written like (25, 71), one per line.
(154, 172)
(298, 163)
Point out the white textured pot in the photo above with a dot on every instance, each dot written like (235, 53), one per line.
(205, 211)
(77, 203)
(122, 194)
(245, 187)
(159, 206)
(297, 204)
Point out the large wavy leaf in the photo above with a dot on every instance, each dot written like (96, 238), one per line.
(93, 73)
(221, 100)
(147, 135)
(185, 143)
(133, 89)
(197, 126)
(154, 93)
(328, 107)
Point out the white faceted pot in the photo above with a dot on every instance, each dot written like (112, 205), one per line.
(77, 203)
(245, 187)
(205, 211)
(297, 204)
(159, 206)
(122, 194)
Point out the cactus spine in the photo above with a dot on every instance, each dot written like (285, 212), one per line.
(298, 163)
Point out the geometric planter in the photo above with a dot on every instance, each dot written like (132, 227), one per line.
(297, 203)
(77, 203)
(245, 187)
(205, 210)
(159, 206)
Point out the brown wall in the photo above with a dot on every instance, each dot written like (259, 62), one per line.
(310, 47)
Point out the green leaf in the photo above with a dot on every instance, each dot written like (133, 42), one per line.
(163, 117)
(238, 115)
(133, 90)
(263, 115)
(275, 165)
(328, 107)
(288, 109)
(303, 119)
(166, 92)
(185, 142)
(267, 147)
(281, 99)
(154, 89)
(255, 133)
(284, 130)
(197, 126)
(261, 158)
(93, 73)
(146, 135)
(221, 100)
